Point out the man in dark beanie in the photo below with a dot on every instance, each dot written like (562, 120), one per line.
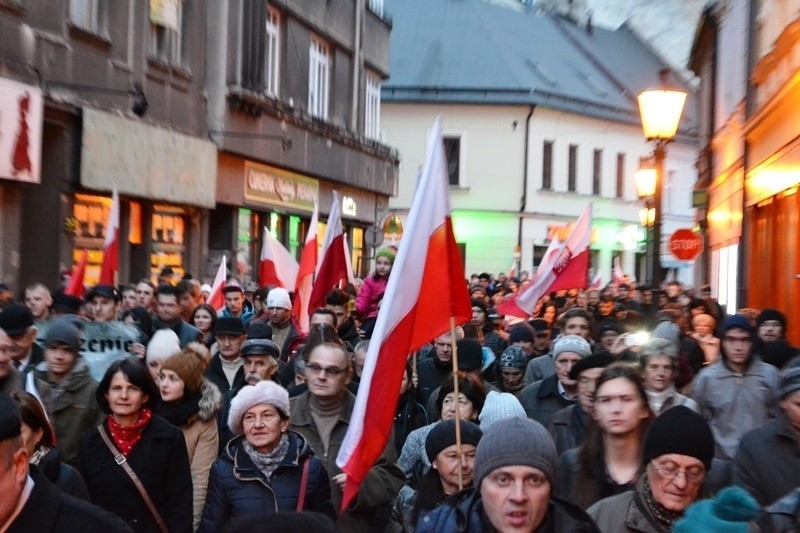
(767, 463)
(676, 457)
(771, 344)
(29, 502)
(515, 468)
(738, 392)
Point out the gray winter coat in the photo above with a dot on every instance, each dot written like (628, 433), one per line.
(542, 400)
(736, 403)
(539, 368)
(624, 513)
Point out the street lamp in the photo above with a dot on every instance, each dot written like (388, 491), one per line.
(660, 111)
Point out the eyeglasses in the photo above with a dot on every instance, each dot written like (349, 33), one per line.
(669, 472)
(332, 371)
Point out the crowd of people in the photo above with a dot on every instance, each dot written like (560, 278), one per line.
(143, 408)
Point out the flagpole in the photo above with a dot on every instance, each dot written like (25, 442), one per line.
(456, 396)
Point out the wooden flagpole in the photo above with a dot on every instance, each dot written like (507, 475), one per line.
(456, 395)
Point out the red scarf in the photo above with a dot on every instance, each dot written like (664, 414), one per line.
(126, 437)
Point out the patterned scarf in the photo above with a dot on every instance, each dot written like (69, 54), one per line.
(126, 437)
(267, 463)
(38, 454)
(664, 516)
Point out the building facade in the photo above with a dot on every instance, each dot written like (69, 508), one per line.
(294, 108)
(540, 119)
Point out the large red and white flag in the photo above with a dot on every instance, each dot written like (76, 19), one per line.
(332, 263)
(565, 266)
(217, 299)
(305, 273)
(278, 267)
(425, 290)
(75, 286)
(110, 263)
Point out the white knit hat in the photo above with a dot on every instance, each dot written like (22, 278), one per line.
(263, 392)
(500, 406)
(162, 345)
(279, 297)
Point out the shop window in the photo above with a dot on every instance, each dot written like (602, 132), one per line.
(296, 237)
(247, 245)
(90, 215)
(168, 238)
(357, 253)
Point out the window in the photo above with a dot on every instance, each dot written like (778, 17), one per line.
(376, 6)
(272, 66)
(85, 14)
(597, 172)
(620, 175)
(452, 154)
(319, 78)
(372, 117)
(166, 21)
(572, 170)
(547, 165)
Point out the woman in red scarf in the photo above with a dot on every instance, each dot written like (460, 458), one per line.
(153, 448)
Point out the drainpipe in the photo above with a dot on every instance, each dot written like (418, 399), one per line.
(523, 204)
(357, 64)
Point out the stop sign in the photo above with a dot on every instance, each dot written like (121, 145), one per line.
(685, 244)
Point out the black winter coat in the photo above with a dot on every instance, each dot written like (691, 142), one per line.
(236, 488)
(161, 462)
(49, 509)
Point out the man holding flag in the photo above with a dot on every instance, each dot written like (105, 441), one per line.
(426, 300)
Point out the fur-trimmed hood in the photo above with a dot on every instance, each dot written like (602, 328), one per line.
(210, 401)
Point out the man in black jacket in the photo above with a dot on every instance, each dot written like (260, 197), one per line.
(30, 502)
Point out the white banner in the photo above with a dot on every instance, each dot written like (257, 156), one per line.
(21, 112)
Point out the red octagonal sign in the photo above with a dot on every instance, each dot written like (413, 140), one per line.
(685, 244)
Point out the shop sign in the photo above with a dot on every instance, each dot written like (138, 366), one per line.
(279, 188)
(21, 111)
(349, 206)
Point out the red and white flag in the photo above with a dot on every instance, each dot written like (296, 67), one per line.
(305, 273)
(110, 263)
(333, 262)
(597, 282)
(217, 299)
(425, 290)
(619, 275)
(278, 267)
(350, 277)
(565, 266)
(75, 286)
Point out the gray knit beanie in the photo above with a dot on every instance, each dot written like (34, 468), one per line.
(516, 442)
(571, 343)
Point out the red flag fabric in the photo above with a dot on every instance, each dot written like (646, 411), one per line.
(424, 292)
(75, 286)
(217, 299)
(110, 263)
(305, 273)
(597, 282)
(277, 267)
(333, 262)
(565, 266)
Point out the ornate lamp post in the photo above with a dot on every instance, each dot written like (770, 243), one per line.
(660, 111)
(645, 180)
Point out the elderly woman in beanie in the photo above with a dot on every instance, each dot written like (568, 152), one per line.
(267, 467)
(373, 288)
(512, 366)
(514, 475)
(676, 458)
(191, 402)
(543, 399)
(442, 480)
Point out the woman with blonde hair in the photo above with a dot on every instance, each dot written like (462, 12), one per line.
(703, 332)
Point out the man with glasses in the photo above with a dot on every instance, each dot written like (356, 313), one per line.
(321, 415)
(677, 456)
(738, 392)
(16, 321)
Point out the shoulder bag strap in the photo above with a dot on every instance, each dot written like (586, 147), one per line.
(301, 499)
(120, 459)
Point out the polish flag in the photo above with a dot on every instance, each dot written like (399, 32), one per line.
(597, 281)
(619, 275)
(350, 277)
(565, 266)
(418, 307)
(512, 272)
(217, 299)
(305, 273)
(278, 267)
(110, 263)
(75, 286)
(332, 268)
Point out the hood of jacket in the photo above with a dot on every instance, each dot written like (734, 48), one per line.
(78, 377)
(210, 401)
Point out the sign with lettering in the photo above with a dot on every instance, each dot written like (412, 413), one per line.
(102, 343)
(276, 187)
(685, 244)
(21, 111)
